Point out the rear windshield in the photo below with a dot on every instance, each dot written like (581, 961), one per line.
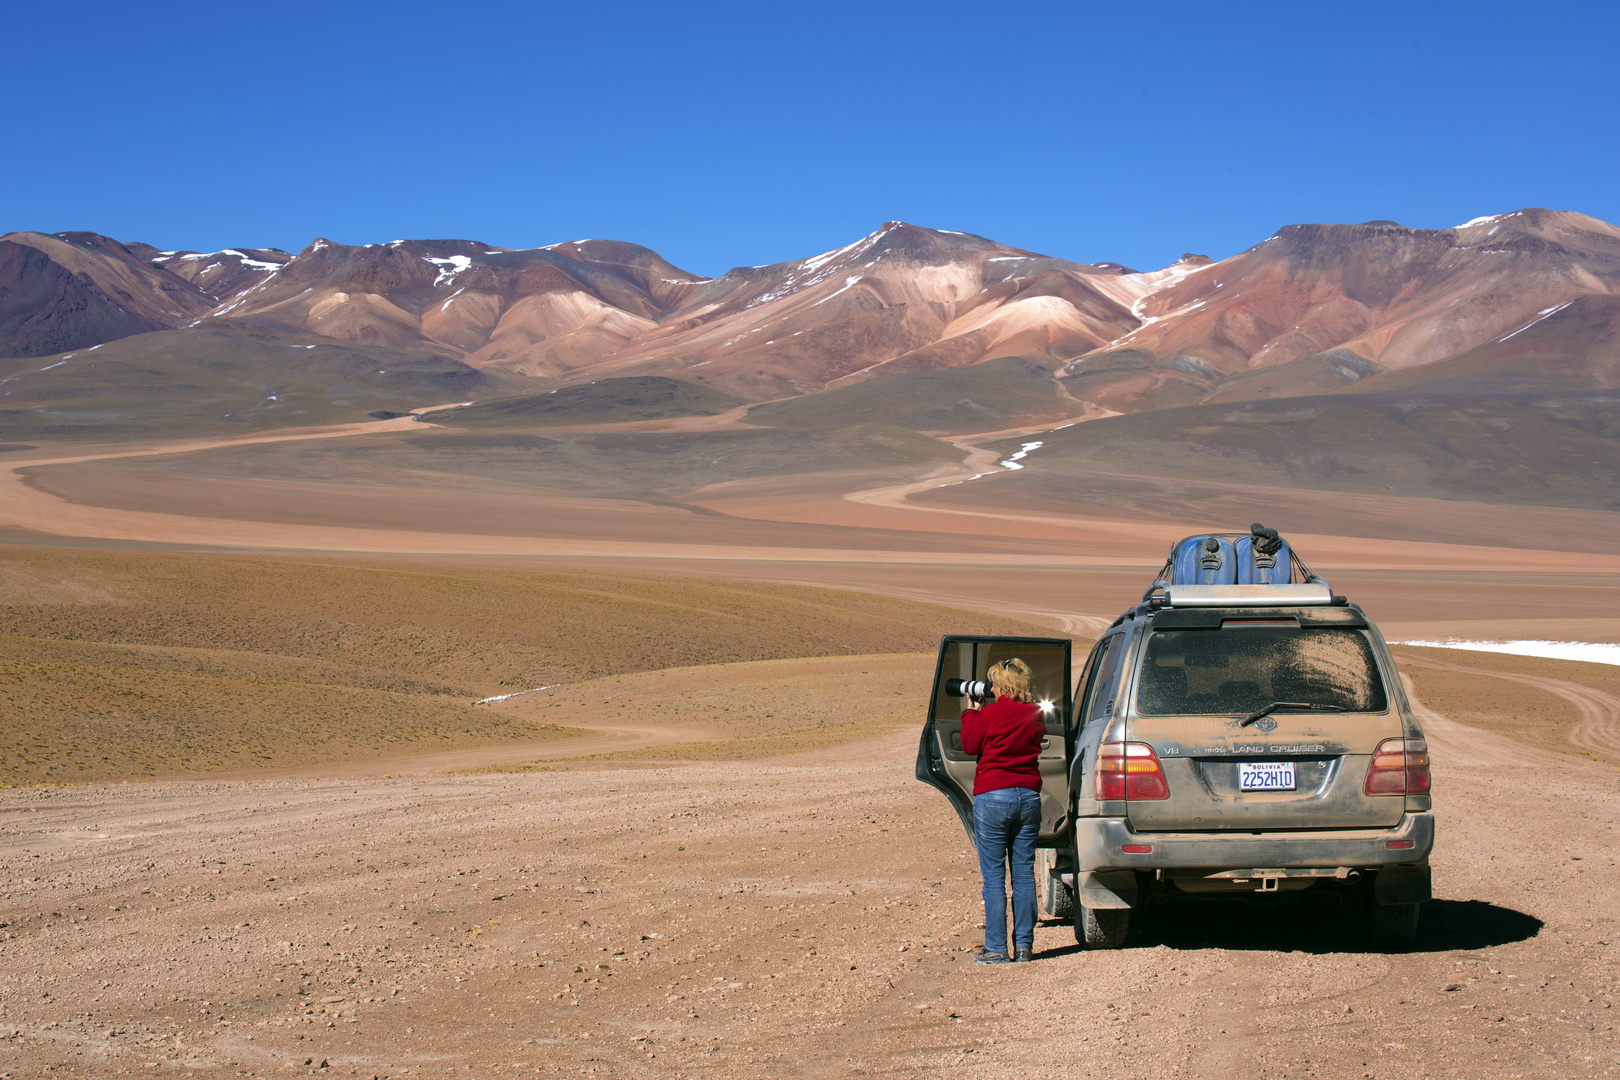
(1240, 671)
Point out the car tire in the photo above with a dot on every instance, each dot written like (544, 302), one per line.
(1056, 899)
(1389, 927)
(1101, 928)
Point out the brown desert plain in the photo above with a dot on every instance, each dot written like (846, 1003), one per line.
(383, 750)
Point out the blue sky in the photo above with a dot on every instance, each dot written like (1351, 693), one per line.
(725, 134)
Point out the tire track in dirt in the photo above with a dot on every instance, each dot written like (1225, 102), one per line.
(1459, 744)
(1079, 625)
(1597, 732)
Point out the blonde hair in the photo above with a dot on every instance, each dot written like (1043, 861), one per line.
(1010, 679)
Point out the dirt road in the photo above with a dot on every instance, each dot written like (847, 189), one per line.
(806, 917)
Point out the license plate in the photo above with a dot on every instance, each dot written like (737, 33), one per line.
(1265, 776)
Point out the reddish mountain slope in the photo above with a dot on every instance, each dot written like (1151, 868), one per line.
(1318, 307)
(904, 297)
(45, 309)
(544, 311)
(70, 290)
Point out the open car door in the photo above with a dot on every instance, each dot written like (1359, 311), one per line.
(941, 762)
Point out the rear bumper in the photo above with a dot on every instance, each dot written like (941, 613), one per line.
(1100, 844)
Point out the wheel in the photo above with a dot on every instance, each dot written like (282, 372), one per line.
(1389, 927)
(1101, 928)
(1056, 899)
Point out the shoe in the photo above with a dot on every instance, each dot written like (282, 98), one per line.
(982, 955)
(1023, 956)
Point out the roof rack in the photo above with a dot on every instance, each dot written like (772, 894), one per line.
(1291, 595)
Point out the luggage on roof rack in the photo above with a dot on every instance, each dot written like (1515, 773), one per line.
(1260, 557)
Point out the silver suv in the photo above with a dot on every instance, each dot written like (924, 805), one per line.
(1222, 739)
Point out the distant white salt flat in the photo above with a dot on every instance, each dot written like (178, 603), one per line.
(1593, 652)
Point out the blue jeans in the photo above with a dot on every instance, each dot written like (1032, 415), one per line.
(1005, 824)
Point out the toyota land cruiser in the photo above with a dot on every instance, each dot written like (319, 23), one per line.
(1222, 738)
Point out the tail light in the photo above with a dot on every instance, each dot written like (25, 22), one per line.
(1399, 767)
(1417, 767)
(1130, 771)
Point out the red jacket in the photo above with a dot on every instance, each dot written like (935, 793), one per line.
(1006, 735)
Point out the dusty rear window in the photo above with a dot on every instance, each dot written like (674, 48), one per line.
(1239, 671)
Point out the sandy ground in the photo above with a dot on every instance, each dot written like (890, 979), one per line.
(736, 712)
(837, 520)
(1074, 571)
(803, 917)
(808, 914)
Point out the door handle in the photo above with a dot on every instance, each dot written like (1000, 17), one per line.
(1046, 742)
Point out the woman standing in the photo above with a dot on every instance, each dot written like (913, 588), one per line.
(1006, 735)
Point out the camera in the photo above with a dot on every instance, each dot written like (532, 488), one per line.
(968, 688)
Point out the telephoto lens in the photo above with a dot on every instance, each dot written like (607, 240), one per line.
(968, 688)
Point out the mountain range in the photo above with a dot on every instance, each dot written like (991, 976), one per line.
(1312, 308)
(934, 330)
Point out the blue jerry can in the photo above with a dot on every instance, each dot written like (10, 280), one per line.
(1204, 560)
(1255, 567)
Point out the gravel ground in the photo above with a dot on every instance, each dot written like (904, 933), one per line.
(810, 916)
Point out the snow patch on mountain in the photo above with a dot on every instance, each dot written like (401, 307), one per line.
(448, 267)
(250, 262)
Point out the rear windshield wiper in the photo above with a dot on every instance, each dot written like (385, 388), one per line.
(1275, 705)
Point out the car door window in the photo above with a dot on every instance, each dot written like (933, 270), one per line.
(1108, 676)
(966, 658)
(1082, 686)
(1097, 669)
(942, 763)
